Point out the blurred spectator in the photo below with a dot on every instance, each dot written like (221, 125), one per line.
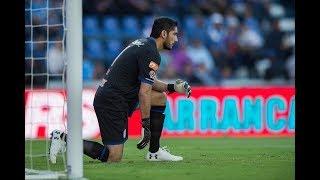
(196, 28)
(249, 42)
(206, 7)
(250, 21)
(274, 39)
(203, 74)
(290, 66)
(238, 6)
(231, 60)
(180, 57)
(56, 59)
(217, 32)
(169, 74)
(189, 75)
(201, 60)
(199, 54)
(277, 69)
(249, 39)
(166, 71)
(276, 10)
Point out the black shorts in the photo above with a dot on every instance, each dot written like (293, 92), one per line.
(113, 125)
(112, 112)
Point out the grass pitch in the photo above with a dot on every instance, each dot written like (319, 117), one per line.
(209, 158)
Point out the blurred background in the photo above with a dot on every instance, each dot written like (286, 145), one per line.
(221, 42)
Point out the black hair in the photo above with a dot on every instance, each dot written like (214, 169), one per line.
(162, 23)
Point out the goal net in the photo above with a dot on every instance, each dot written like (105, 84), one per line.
(46, 97)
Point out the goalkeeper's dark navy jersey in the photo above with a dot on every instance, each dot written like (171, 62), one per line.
(137, 63)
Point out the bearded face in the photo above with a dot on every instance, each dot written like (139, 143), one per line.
(171, 39)
(167, 45)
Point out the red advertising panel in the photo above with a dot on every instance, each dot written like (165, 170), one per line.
(210, 112)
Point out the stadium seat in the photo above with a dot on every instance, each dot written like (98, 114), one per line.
(147, 21)
(113, 48)
(88, 69)
(110, 27)
(130, 27)
(190, 26)
(94, 49)
(189, 22)
(91, 26)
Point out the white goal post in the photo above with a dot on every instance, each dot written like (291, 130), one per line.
(53, 41)
(74, 89)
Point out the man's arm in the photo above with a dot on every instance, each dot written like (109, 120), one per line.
(145, 106)
(159, 86)
(145, 100)
(179, 86)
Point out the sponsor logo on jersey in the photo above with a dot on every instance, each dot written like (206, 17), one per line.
(153, 66)
(138, 43)
(152, 74)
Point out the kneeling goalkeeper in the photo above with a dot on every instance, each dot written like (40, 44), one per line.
(130, 80)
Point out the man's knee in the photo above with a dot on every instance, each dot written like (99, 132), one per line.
(115, 153)
(158, 98)
(115, 158)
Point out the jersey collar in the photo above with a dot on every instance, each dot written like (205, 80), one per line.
(153, 40)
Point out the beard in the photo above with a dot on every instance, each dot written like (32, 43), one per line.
(167, 46)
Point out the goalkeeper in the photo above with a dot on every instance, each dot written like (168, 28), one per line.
(130, 80)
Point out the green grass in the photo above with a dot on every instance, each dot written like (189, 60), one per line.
(210, 158)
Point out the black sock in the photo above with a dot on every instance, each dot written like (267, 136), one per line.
(95, 150)
(92, 149)
(156, 125)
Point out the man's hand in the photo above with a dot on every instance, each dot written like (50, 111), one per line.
(183, 87)
(146, 133)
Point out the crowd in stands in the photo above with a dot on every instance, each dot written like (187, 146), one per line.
(218, 39)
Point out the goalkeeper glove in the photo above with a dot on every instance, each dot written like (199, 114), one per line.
(180, 86)
(146, 133)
